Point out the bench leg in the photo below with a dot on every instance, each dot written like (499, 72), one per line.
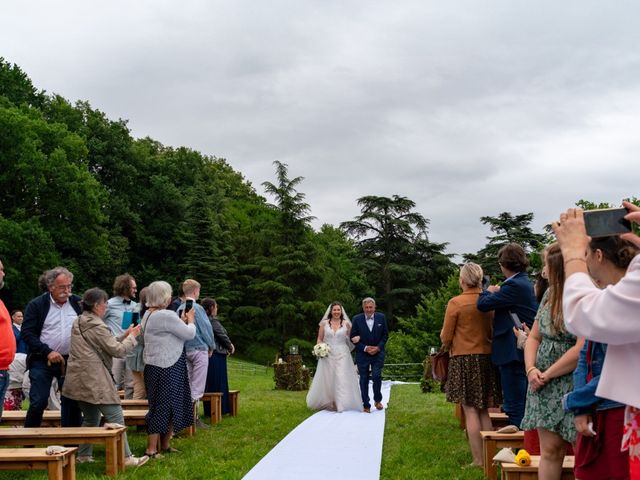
(490, 449)
(216, 416)
(55, 470)
(233, 397)
(120, 448)
(111, 454)
(69, 469)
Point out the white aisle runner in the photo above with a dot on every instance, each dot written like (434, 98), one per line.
(329, 445)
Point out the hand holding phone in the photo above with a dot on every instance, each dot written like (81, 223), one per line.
(606, 222)
(516, 321)
(188, 305)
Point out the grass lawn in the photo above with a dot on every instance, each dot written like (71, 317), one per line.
(422, 439)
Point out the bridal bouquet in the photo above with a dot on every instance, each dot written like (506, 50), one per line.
(321, 350)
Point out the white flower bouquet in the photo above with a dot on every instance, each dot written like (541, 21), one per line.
(321, 350)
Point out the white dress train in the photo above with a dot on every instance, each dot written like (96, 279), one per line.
(335, 384)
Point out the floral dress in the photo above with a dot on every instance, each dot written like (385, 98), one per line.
(544, 407)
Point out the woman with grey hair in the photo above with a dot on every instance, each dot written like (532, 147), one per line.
(88, 377)
(472, 380)
(165, 370)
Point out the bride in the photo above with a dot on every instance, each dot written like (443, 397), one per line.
(335, 384)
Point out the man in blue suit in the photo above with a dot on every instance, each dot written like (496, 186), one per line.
(514, 295)
(369, 333)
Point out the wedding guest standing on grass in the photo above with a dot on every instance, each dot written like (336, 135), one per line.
(18, 369)
(217, 380)
(514, 295)
(7, 344)
(608, 316)
(135, 358)
(472, 380)
(165, 371)
(124, 292)
(598, 455)
(89, 380)
(46, 330)
(551, 355)
(199, 348)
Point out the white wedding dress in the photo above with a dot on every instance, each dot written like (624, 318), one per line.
(335, 385)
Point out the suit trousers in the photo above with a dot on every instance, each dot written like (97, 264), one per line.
(514, 391)
(41, 376)
(370, 368)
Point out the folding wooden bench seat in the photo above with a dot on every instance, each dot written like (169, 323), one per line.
(59, 466)
(511, 471)
(492, 442)
(112, 439)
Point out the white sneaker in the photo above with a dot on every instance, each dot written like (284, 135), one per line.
(85, 459)
(132, 461)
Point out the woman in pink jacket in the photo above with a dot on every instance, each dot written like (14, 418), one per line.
(609, 316)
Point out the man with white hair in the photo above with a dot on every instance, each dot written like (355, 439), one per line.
(46, 330)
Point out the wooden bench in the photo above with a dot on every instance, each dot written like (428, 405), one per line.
(233, 399)
(59, 466)
(511, 471)
(492, 442)
(134, 404)
(113, 440)
(215, 405)
(499, 419)
(51, 418)
(215, 402)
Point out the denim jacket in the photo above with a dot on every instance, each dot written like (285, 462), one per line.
(204, 339)
(583, 399)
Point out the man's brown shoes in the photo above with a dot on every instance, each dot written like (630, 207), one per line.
(366, 410)
(379, 406)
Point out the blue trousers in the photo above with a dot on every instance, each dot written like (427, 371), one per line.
(370, 367)
(41, 376)
(514, 391)
(4, 384)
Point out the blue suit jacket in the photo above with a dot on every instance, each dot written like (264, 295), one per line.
(377, 337)
(515, 295)
(34, 316)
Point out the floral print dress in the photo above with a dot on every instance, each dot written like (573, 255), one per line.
(544, 407)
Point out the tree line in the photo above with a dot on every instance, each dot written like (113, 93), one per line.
(80, 191)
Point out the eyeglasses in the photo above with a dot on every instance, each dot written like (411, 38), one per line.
(64, 287)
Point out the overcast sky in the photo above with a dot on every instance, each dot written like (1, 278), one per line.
(468, 108)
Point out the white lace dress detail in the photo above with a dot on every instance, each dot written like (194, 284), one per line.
(335, 385)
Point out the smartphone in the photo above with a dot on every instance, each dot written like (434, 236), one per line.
(606, 222)
(516, 320)
(188, 305)
(486, 281)
(135, 318)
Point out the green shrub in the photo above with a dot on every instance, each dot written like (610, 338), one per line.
(261, 353)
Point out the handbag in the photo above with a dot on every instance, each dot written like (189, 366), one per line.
(440, 365)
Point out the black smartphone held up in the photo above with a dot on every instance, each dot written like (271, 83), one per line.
(135, 318)
(486, 281)
(188, 305)
(606, 222)
(516, 320)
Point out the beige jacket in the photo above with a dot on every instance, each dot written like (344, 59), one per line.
(92, 348)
